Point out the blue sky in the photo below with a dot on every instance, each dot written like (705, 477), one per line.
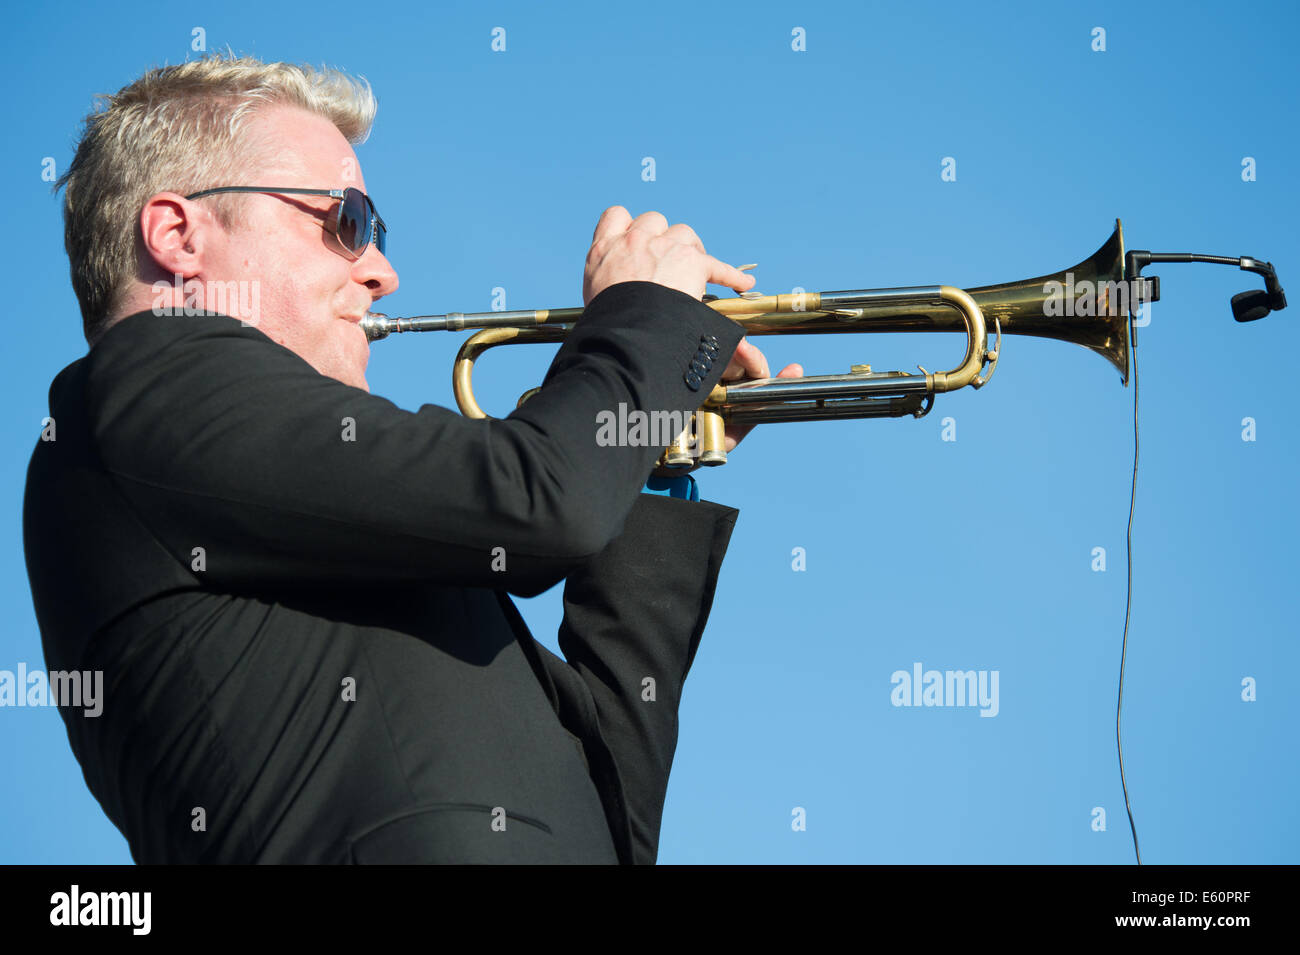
(823, 165)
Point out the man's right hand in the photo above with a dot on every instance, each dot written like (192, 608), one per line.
(647, 250)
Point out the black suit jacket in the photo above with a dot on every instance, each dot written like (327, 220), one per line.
(295, 593)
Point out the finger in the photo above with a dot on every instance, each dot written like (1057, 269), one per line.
(720, 273)
(746, 362)
(613, 222)
(651, 223)
(686, 235)
(736, 365)
(791, 371)
(734, 435)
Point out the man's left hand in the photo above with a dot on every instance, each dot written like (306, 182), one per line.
(748, 362)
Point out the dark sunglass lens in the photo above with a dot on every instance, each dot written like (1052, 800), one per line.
(381, 238)
(354, 218)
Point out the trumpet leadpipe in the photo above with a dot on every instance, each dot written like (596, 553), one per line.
(377, 325)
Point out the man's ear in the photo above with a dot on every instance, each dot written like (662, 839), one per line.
(174, 231)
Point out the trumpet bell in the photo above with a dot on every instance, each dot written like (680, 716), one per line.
(1087, 304)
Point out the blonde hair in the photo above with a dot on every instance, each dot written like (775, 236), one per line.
(182, 129)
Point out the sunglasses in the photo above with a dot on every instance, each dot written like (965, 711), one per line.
(356, 220)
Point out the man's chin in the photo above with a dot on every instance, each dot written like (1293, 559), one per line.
(348, 369)
(361, 370)
(354, 375)
(357, 360)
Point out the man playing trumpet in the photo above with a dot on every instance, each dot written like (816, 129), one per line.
(298, 592)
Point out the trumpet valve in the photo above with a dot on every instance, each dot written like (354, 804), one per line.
(678, 454)
(712, 436)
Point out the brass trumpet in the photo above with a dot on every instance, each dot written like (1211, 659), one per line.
(1090, 304)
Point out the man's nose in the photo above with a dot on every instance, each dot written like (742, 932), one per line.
(374, 271)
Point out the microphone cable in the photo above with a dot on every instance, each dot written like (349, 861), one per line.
(1128, 603)
(1248, 306)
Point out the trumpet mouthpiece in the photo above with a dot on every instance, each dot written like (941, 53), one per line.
(375, 325)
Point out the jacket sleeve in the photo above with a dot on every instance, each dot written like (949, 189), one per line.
(221, 439)
(633, 618)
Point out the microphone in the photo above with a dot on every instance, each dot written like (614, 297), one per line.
(1254, 305)
(1250, 306)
